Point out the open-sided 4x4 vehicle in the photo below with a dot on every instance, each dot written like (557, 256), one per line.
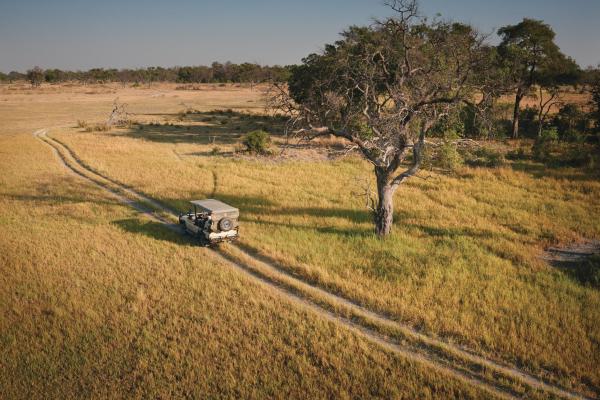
(212, 221)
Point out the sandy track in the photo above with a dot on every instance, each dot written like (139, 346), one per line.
(448, 358)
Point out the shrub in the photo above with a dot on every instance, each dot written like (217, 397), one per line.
(570, 122)
(449, 158)
(528, 123)
(542, 147)
(103, 127)
(257, 142)
(485, 157)
(215, 151)
(82, 124)
(488, 122)
(519, 154)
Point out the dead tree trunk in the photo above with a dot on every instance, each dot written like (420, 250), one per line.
(384, 212)
(516, 112)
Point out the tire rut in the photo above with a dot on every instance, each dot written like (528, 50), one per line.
(430, 351)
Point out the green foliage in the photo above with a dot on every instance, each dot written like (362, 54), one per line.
(451, 127)
(530, 57)
(570, 122)
(518, 155)
(595, 103)
(257, 142)
(542, 147)
(445, 157)
(228, 72)
(550, 135)
(54, 75)
(449, 157)
(528, 122)
(485, 157)
(526, 49)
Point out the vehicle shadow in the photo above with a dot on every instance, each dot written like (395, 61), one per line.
(154, 230)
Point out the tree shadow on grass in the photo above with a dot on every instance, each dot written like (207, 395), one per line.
(540, 171)
(253, 210)
(205, 127)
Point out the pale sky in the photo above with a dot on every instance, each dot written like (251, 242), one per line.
(82, 34)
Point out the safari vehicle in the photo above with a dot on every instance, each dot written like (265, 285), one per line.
(212, 221)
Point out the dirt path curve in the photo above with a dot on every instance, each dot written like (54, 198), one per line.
(442, 356)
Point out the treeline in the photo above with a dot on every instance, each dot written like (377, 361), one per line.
(215, 73)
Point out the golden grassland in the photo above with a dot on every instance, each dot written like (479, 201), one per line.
(579, 96)
(96, 301)
(463, 261)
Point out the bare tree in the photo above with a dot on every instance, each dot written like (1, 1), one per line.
(383, 88)
(553, 98)
(35, 76)
(119, 115)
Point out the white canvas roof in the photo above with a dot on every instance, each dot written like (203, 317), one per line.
(214, 206)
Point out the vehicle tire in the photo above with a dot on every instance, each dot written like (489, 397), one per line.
(225, 224)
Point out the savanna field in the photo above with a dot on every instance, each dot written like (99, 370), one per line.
(98, 301)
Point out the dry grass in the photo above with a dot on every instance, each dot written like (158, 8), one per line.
(96, 301)
(574, 96)
(462, 262)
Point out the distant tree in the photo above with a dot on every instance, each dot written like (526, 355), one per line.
(3, 77)
(16, 76)
(101, 75)
(527, 50)
(218, 72)
(384, 88)
(595, 103)
(278, 73)
(551, 81)
(54, 75)
(35, 76)
(590, 75)
(570, 121)
(248, 72)
(189, 75)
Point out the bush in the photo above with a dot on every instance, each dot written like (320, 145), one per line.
(449, 158)
(485, 157)
(104, 127)
(528, 123)
(489, 122)
(82, 124)
(542, 147)
(257, 142)
(215, 151)
(517, 155)
(571, 122)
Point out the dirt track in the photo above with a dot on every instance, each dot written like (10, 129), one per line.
(448, 358)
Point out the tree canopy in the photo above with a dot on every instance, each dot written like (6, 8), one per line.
(383, 88)
(530, 57)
